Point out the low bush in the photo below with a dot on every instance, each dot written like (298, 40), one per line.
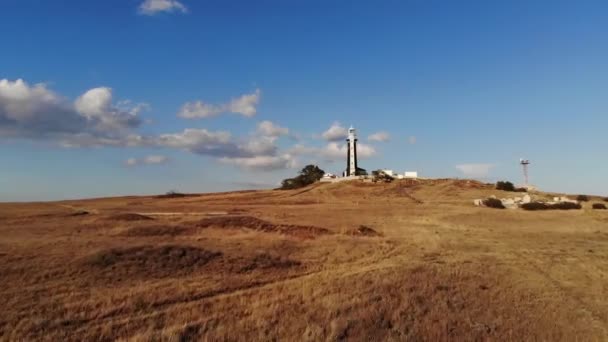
(172, 194)
(545, 206)
(565, 206)
(534, 206)
(493, 203)
(505, 186)
(521, 190)
(605, 199)
(582, 198)
(600, 206)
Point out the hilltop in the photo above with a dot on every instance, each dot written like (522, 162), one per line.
(408, 260)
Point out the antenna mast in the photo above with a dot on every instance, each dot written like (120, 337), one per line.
(524, 164)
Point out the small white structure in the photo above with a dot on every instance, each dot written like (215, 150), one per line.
(389, 172)
(329, 175)
(411, 174)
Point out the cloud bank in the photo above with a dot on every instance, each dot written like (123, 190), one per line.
(245, 105)
(95, 119)
(36, 112)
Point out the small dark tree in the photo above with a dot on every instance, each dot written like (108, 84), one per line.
(308, 175)
(582, 198)
(605, 199)
(505, 186)
(600, 206)
(311, 174)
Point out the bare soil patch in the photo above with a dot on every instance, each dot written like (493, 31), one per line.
(148, 261)
(155, 230)
(249, 222)
(265, 261)
(363, 231)
(129, 217)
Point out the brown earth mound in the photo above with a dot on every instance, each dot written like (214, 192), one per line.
(265, 261)
(155, 230)
(148, 261)
(176, 195)
(401, 189)
(230, 222)
(80, 213)
(363, 231)
(469, 184)
(130, 217)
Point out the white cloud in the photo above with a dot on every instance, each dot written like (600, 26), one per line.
(244, 105)
(475, 170)
(96, 105)
(260, 146)
(263, 163)
(193, 137)
(36, 112)
(149, 160)
(379, 136)
(152, 7)
(335, 132)
(269, 129)
(411, 140)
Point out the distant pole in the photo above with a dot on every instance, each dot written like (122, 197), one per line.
(524, 164)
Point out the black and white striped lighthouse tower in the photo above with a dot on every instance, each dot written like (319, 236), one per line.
(351, 153)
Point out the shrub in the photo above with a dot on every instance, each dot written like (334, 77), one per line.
(493, 203)
(545, 206)
(535, 206)
(605, 199)
(171, 194)
(521, 190)
(505, 186)
(582, 198)
(600, 206)
(565, 206)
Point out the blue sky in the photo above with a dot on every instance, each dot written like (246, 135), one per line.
(117, 97)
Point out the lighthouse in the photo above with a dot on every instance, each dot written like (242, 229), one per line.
(351, 157)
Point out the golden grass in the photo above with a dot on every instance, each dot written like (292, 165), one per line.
(436, 269)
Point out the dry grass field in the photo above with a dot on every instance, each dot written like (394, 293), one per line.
(298, 266)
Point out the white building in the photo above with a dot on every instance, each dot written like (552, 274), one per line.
(410, 174)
